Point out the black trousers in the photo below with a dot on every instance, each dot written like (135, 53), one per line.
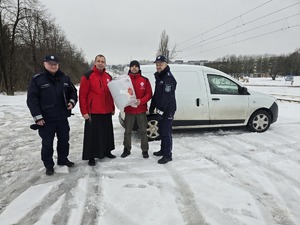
(98, 138)
(165, 131)
(61, 128)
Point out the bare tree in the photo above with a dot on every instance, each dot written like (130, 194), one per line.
(5, 43)
(28, 33)
(164, 47)
(11, 13)
(294, 60)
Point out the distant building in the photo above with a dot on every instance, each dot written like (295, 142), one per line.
(179, 61)
(202, 62)
(191, 62)
(197, 62)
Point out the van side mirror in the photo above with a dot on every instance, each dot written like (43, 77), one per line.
(243, 91)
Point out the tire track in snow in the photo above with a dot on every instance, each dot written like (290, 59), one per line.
(94, 198)
(69, 182)
(269, 167)
(26, 202)
(47, 217)
(186, 201)
(266, 203)
(17, 143)
(12, 191)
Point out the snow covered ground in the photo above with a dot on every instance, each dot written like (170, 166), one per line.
(217, 177)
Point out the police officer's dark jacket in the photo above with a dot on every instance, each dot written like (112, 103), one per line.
(164, 94)
(48, 96)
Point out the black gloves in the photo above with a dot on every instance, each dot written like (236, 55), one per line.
(151, 111)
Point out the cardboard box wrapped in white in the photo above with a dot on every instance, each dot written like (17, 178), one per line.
(122, 92)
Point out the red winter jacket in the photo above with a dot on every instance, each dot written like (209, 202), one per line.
(143, 92)
(94, 95)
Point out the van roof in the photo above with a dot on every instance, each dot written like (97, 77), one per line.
(182, 67)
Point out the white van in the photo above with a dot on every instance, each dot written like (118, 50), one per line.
(207, 98)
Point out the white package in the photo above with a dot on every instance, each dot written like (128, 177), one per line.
(122, 92)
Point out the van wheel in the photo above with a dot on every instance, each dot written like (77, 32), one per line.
(152, 128)
(260, 121)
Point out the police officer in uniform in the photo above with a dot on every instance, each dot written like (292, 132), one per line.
(164, 102)
(50, 98)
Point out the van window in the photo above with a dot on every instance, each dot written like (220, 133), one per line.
(222, 85)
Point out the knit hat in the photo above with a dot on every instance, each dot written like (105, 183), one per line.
(134, 63)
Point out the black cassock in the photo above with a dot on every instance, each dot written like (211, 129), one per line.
(98, 138)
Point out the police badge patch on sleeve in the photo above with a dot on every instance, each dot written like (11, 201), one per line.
(168, 88)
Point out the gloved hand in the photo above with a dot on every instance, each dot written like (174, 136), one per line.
(38, 124)
(151, 111)
(133, 103)
(35, 126)
(70, 105)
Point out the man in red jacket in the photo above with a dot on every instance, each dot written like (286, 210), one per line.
(97, 107)
(143, 92)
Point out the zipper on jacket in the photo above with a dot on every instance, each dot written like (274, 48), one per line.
(136, 108)
(105, 95)
(100, 82)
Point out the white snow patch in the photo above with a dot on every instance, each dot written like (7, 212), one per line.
(26, 202)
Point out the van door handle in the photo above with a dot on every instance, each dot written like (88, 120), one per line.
(215, 99)
(198, 102)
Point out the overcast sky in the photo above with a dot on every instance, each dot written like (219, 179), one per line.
(202, 30)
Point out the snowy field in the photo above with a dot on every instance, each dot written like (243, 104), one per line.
(217, 177)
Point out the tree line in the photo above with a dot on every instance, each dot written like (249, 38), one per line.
(27, 34)
(261, 65)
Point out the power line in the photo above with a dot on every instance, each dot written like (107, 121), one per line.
(226, 22)
(254, 20)
(257, 36)
(196, 45)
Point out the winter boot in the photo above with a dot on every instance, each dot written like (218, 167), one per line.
(66, 163)
(92, 162)
(125, 153)
(111, 156)
(164, 160)
(145, 154)
(49, 171)
(158, 153)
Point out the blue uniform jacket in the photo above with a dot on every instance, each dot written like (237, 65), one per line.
(164, 94)
(48, 96)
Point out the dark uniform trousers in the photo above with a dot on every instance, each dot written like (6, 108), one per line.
(165, 131)
(61, 129)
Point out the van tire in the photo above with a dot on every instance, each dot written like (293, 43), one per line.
(152, 128)
(260, 121)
